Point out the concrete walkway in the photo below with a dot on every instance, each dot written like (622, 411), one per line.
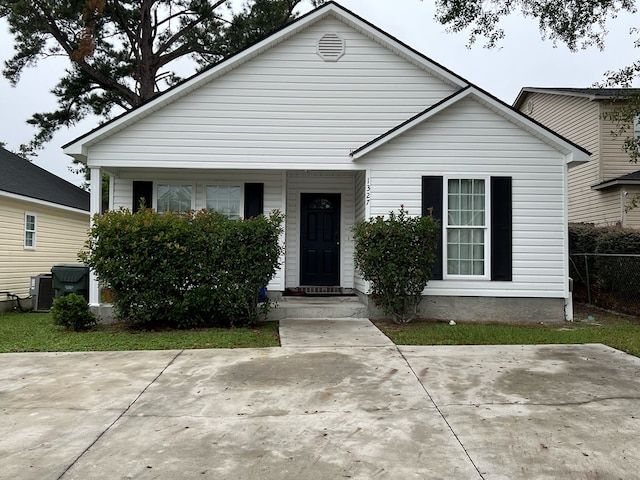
(338, 400)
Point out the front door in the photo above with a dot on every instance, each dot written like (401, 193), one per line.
(320, 239)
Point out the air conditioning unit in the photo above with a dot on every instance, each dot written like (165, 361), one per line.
(41, 292)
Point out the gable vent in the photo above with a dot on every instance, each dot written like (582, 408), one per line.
(331, 47)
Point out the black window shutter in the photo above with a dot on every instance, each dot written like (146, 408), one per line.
(142, 193)
(501, 237)
(253, 199)
(432, 205)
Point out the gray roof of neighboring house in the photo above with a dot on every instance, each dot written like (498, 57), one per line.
(590, 93)
(628, 179)
(21, 177)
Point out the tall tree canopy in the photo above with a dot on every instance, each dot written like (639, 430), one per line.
(123, 52)
(576, 23)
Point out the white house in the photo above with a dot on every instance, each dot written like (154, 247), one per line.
(332, 121)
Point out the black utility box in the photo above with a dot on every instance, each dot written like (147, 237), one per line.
(70, 279)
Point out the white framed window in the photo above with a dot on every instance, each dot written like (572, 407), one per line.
(636, 127)
(467, 234)
(224, 199)
(30, 231)
(174, 198)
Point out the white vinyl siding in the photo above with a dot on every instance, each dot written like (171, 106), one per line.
(468, 140)
(320, 182)
(360, 214)
(286, 108)
(61, 234)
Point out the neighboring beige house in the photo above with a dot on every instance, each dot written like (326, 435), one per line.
(601, 190)
(43, 222)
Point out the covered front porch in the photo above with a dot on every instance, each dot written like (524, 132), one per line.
(321, 208)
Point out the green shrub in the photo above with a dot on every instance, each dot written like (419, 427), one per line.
(396, 255)
(72, 312)
(613, 274)
(583, 237)
(184, 271)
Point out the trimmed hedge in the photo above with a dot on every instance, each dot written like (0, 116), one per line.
(614, 280)
(184, 271)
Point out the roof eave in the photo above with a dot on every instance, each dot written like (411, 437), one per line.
(614, 183)
(77, 148)
(574, 154)
(46, 203)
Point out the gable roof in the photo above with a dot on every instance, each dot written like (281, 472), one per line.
(628, 179)
(589, 93)
(575, 153)
(22, 178)
(78, 148)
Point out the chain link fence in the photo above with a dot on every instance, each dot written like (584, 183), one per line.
(610, 281)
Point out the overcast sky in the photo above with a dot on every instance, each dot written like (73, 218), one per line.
(523, 59)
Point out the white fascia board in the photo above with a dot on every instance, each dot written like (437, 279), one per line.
(573, 154)
(395, 45)
(42, 203)
(402, 128)
(78, 148)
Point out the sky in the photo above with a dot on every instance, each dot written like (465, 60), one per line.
(523, 59)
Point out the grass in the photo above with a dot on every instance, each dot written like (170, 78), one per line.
(36, 332)
(617, 331)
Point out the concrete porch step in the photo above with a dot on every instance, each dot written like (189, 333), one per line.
(312, 307)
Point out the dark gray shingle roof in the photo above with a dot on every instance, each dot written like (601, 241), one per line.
(590, 93)
(628, 179)
(21, 177)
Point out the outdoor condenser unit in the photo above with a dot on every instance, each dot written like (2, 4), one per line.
(41, 292)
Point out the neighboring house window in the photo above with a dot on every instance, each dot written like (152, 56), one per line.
(224, 199)
(30, 231)
(466, 227)
(174, 198)
(636, 128)
(475, 238)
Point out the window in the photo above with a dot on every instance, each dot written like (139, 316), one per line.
(475, 236)
(466, 234)
(636, 128)
(30, 231)
(224, 199)
(174, 198)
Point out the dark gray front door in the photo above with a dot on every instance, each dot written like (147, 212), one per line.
(320, 239)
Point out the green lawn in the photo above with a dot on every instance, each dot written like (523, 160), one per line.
(36, 332)
(617, 331)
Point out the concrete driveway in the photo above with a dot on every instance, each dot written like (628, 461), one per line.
(337, 400)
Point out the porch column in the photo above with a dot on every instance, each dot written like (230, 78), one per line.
(96, 203)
